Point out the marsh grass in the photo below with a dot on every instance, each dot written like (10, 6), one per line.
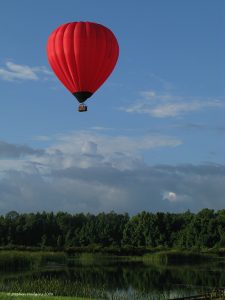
(176, 257)
(117, 295)
(153, 294)
(163, 257)
(52, 286)
(24, 260)
(17, 260)
(134, 295)
(94, 259)
(8, 296)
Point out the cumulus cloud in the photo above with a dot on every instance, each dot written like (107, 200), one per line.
(174, 197)
(168, 105)
(12, 72)
(85, 149)
(92, 173)
(171, 196)
(16, 151)
(105, 188)
(176, 109)
(111, 144)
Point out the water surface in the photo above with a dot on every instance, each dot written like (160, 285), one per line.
(111, 278)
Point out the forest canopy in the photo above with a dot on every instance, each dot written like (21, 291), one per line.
(205, 229)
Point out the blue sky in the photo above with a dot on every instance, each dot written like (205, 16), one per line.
(153, 138)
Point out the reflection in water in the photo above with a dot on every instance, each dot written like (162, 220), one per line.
(120, 279)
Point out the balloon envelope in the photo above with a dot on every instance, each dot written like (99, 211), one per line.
(82, 55)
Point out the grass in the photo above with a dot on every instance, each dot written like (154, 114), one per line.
(23, 260)
(8, 296)
(176, 257)
(51, 286)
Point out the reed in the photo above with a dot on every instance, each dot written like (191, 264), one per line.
(51, 286)
(8, 296)
(17, 260)
(176, 257)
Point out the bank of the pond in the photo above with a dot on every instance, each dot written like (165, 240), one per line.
(18, 260)
(7, 296)
(24, 260)
(178, 257)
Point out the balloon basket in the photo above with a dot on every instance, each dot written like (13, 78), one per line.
(82, 108)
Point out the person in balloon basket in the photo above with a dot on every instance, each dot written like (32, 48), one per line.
(82, 108)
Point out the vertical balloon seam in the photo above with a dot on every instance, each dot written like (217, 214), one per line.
(93, 60)
(55, 64)
(87, 57)
(84, 55)
(60, 52)
(57, 61)
(104, 74)
(111, 63)
(108, 67)
(112, 59)
(101, 58)
(63, 57)
(76, 53)
(74, 56)
(69, 56)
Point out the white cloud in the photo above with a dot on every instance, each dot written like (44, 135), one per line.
(149, 94)
(92, 172)
(111, 144)
(42, 138)
(89, 149)
(168, 105)
(12, 72)
(12, 164)
(105, 188)
(171, 196)
(100, 128)
(15, 151)
(176, 109)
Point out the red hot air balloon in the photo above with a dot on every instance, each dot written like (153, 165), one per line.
(82, 55)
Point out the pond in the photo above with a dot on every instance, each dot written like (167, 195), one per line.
(110, 278)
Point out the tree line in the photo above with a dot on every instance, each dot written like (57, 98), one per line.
(205, 229)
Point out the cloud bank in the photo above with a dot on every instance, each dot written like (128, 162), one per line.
(86, 172)
(167, 105)
(12, 72)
